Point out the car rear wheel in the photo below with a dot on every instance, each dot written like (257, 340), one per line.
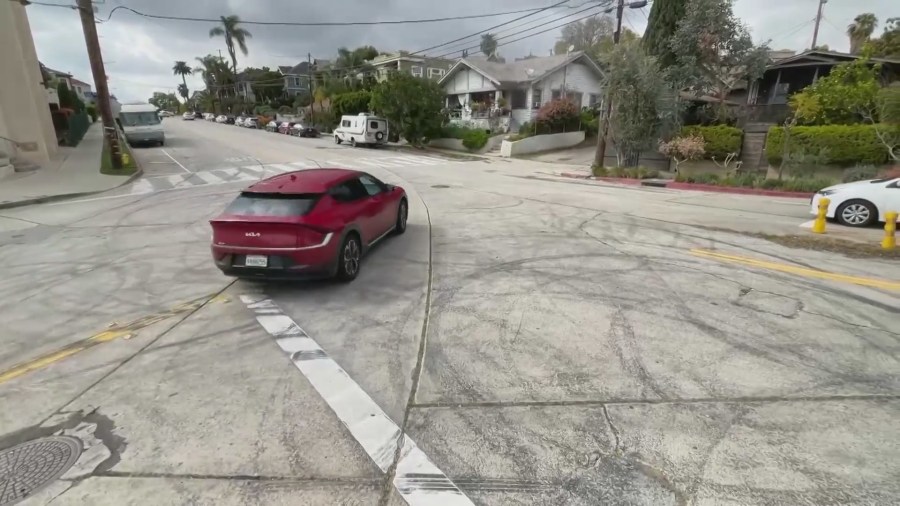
(352, 142)
(337, 140)
(857, 213)
(402, 216)
(348, 258)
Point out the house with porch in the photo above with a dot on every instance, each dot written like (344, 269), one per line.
(296, 79)
(417, 65)
(502, 96)
(767, 98)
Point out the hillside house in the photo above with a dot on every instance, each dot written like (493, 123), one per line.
(503, 96)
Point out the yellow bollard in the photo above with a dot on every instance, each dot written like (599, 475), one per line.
(890, 226)
(125, 159)
(819, 225)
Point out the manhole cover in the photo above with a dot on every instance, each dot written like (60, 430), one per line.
(440, 186)
(31, 466)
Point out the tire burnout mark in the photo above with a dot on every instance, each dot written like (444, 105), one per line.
(418, 479)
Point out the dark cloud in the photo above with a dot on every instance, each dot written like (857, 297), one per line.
(140, 51)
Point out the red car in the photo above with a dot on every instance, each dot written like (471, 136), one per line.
(317, 222)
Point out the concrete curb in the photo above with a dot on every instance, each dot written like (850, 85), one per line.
(66, 196)
(672, 185)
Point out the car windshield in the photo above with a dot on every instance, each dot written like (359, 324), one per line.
(130, 119)
(272, 204)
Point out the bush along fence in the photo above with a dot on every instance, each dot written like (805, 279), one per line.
(77, 125)
(841, 145)
(719, 141)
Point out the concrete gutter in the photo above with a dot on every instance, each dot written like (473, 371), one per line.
(673, 185)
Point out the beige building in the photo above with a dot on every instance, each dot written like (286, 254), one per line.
(25, 121)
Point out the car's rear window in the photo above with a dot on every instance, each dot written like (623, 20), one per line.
(272, 204)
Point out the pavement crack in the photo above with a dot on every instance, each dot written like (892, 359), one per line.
(240, 477)
(612, 428)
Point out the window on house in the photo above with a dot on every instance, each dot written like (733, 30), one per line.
(575, 97)
(435, 72)
(519, 99)
(555, 95)
(593, 99)
(417, 71)
(537, 98)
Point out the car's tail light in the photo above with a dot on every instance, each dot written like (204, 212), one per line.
(309, 237)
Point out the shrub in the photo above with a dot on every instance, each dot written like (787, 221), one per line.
(589, 122)
(351, 103)
(718, 140)
(847, 145)
(92, 112)
(557, 116)
(599, 171)
(859, 173)
(474, 140)
(682, 149)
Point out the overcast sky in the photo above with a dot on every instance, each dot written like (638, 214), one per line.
(139, 52)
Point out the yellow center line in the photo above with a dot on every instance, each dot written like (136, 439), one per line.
(101, 337)
(800, 271)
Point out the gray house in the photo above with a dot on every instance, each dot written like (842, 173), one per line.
(476, 88)
(296, 79)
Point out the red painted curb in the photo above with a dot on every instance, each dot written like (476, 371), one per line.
(733, 189)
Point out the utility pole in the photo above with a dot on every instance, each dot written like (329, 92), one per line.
(604, 118)
(86, 10)
(310, 77)
(818, 21)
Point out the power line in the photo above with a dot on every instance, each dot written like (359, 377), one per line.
(537, 26)
(320, 23)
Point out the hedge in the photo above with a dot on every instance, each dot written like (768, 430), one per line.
(721, 140)
(474, 140)
(844, 145)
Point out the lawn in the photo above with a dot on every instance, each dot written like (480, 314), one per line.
(128, 168)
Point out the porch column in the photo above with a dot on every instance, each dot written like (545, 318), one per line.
(774, 88)
(497, 96)
(816, 75)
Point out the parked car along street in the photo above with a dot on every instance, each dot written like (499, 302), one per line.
(861, 203)
(188, 116)
(304, 131)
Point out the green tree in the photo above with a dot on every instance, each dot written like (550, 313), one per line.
(888, 45)
(267, 84)
(68, 99)
(351, 65)
(859, 31)
(593, 35)
(644, 107)
(411, 105)
(488, 46)
(353, 102)
(661, 26)
(216, 75)
(842, 96)
(714, 50)
(234, 35)
(164, 101)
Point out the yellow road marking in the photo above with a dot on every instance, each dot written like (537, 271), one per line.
(112, 334)
(800, 271)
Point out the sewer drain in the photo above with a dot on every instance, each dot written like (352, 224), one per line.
(31, 466)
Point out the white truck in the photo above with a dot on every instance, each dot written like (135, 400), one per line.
(362, 129)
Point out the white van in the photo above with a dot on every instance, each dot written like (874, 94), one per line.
(141, 124)
(362, 129)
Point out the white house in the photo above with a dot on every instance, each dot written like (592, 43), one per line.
(475, 87)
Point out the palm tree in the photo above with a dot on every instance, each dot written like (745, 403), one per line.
(234, 35)
(182, 69)
(488, 46)
(183, 91)
(860, 30)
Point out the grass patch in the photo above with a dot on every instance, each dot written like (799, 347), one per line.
(834, 245)
(128, 168)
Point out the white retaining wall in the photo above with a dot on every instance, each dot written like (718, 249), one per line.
(457, 144)
(538, 143)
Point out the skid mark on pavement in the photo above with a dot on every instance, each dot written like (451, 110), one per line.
(418, 480)
(800, 271)
(114, 332)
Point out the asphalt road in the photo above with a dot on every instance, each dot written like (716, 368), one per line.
(536, 340)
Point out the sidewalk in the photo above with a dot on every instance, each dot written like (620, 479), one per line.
(73, 172)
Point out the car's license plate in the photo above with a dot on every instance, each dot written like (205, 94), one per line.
(256, 261)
